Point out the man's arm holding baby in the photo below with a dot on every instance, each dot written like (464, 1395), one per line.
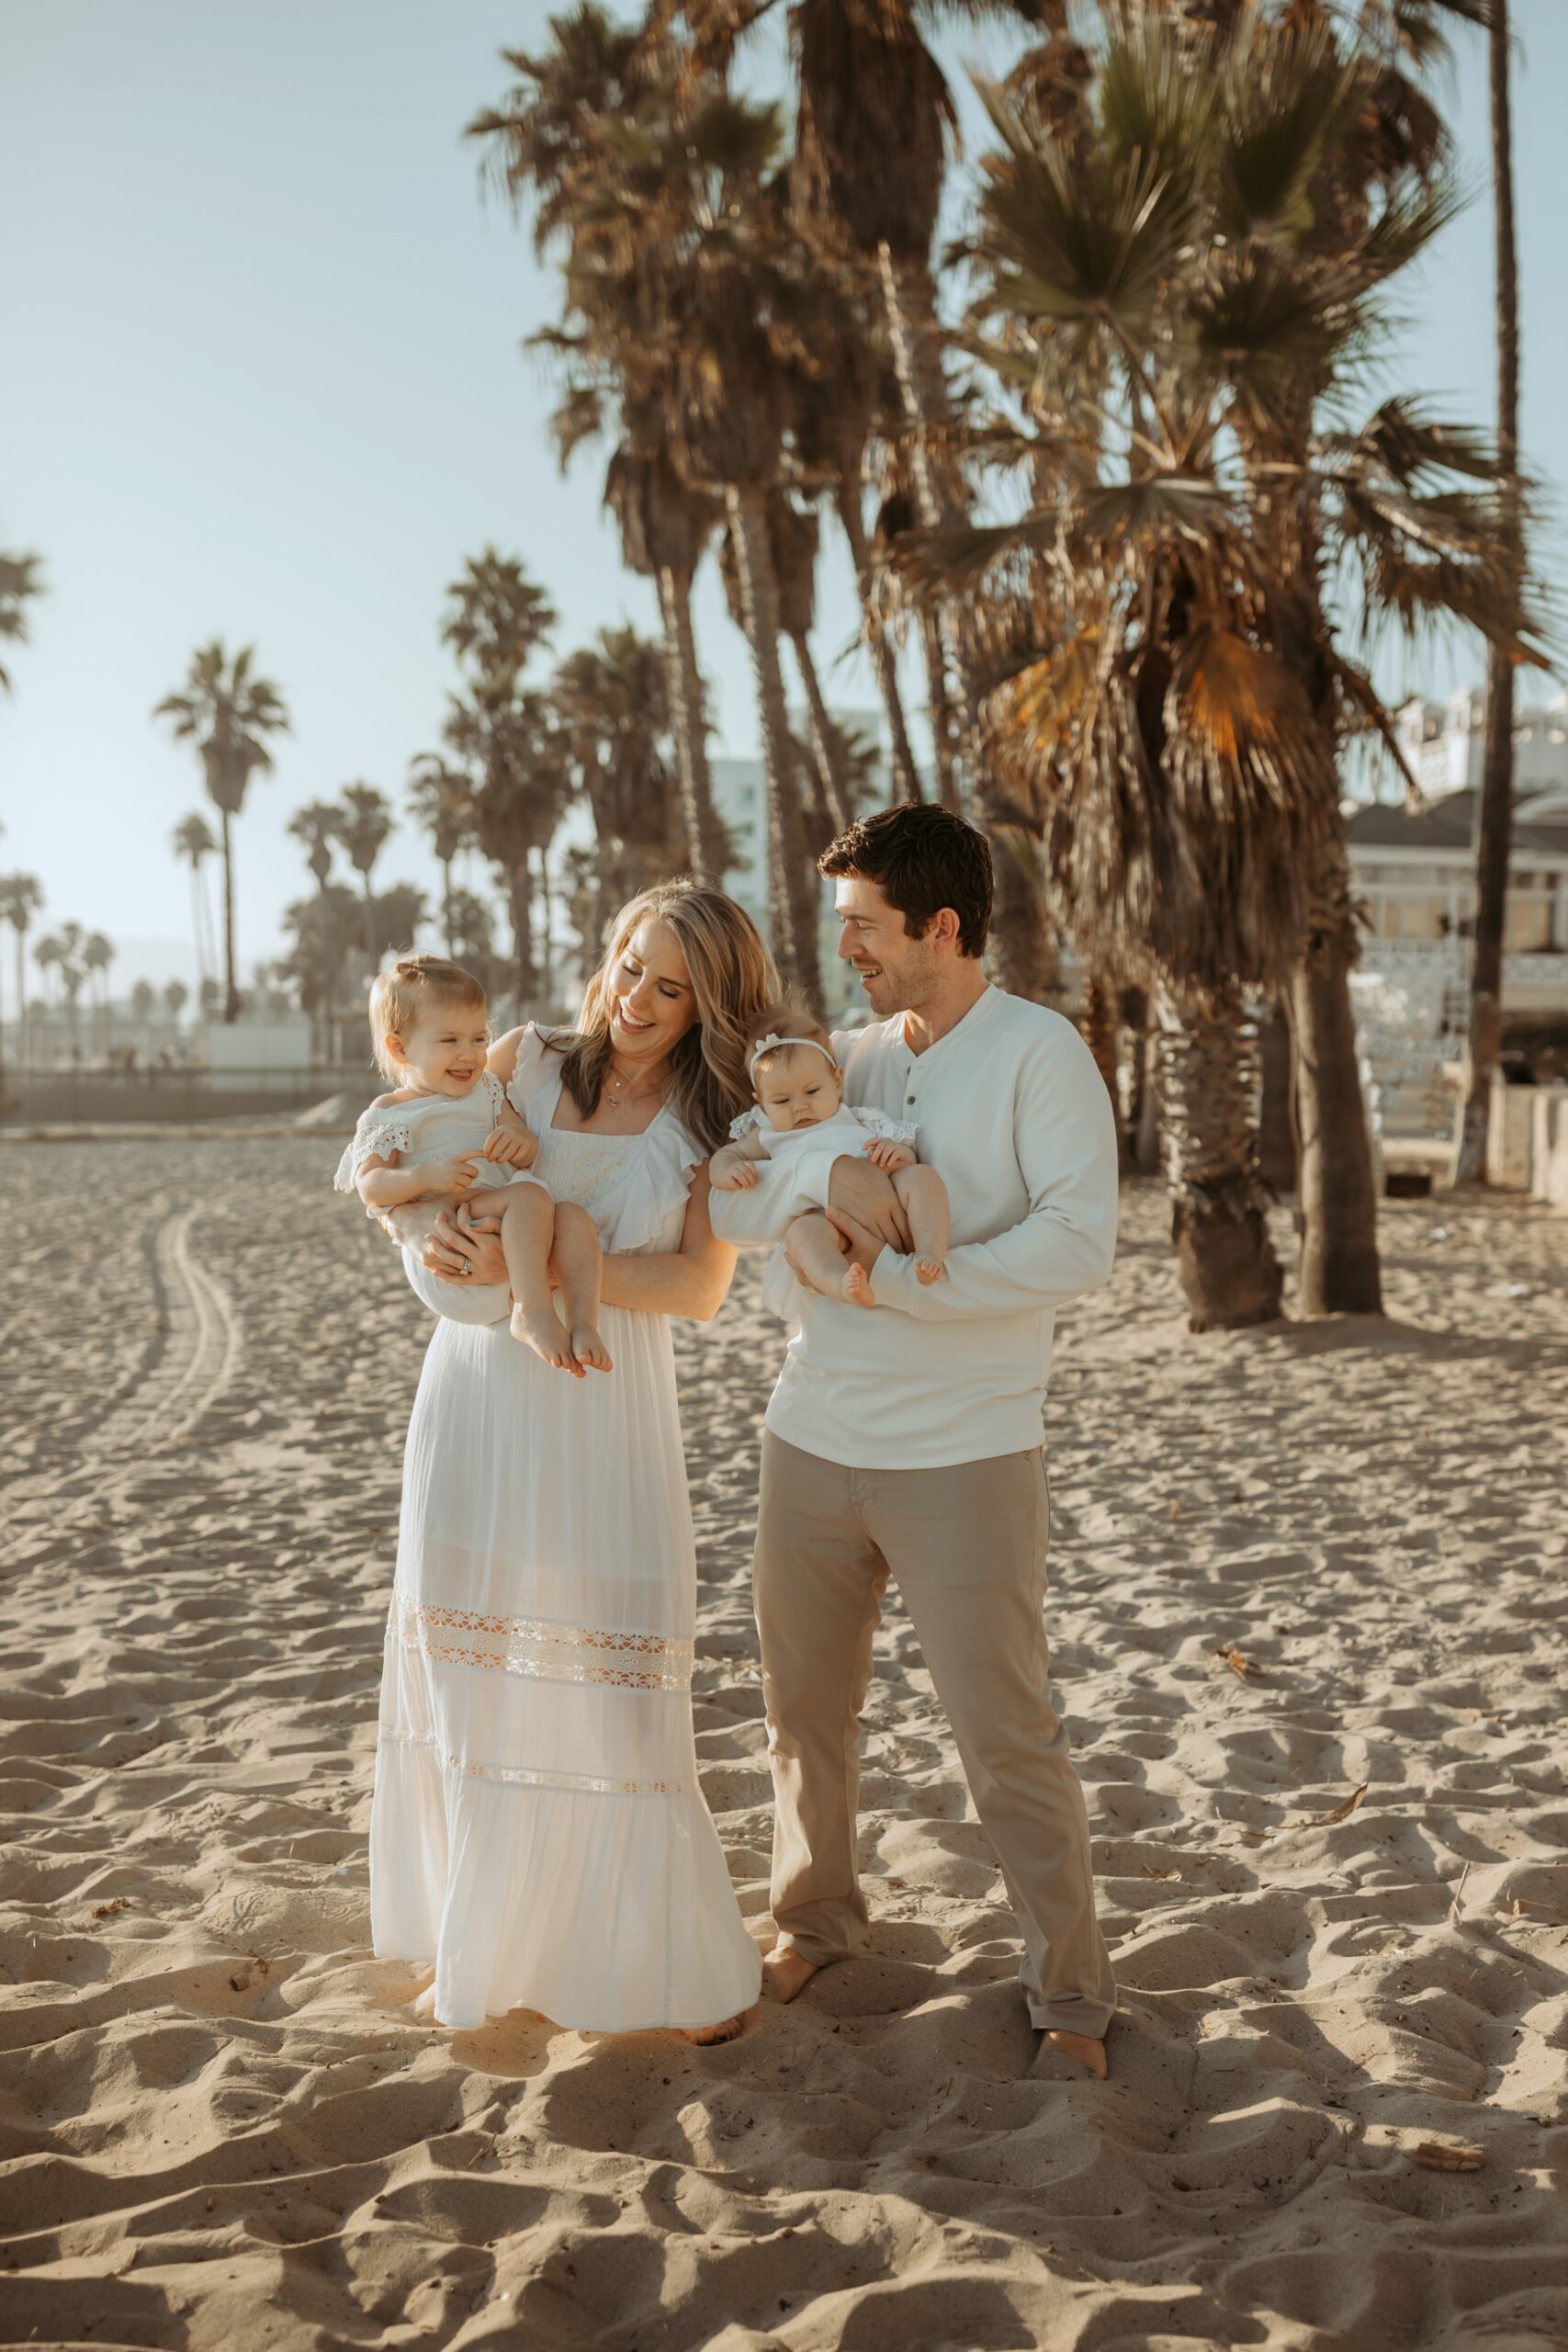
(758, 1216)
(1065, 1135)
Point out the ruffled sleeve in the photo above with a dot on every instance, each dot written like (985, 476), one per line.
(647, 1208)
(535, 1068)
(379, 1132)
(878, 1124)
(741, 1127)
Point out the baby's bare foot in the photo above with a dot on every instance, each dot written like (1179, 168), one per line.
(589, 1348)
(931, 1270)
(543, 1332)
(726, 2030)
(856, 1289)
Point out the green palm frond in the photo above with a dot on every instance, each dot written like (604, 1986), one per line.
(1412, 445)
(1288, 100)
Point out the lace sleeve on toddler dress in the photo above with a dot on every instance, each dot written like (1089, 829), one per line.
(741, 1127)
(379, 1132)
(878, 1124)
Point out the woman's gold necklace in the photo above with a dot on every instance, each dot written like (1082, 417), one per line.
(616, 1087)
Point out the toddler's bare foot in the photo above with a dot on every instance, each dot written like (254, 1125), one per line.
(930, 1270)
(589, 1348)
(705, 2035)
(543, 1332)
(785, 1972)
(855, 1289)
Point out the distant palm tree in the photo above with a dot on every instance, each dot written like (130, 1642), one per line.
(22, 896)
(19, 584)
(609, 701)
(316, 827)
(143, 1005)
(364, 824)
(193, 841)
(175, 996)
(229, 714)
(441, 795)
(62, 954)
(97, 954)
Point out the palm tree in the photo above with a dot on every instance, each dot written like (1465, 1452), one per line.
(499, 730)
(1495, 809)
(175, 997)
(19, 584)
(442, 796)
(229, 714)
(316, 827)
(1181, 258)
(553, 139)
(364, 824)
(609, 703)
(143, 1004)
(22, 896)
(324, 930)
(62, 954)
(97, 954)
(193, 841)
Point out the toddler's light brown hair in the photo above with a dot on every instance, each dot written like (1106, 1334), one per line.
(408, 987)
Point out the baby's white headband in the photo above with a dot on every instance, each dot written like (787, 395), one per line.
(770, 1044)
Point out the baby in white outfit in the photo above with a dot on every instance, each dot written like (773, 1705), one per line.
(448, 1132)
(800, 1101)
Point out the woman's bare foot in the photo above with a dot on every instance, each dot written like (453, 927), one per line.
(705, 2036)
(930, 1270)
(545, 1334)
(1083, 2049)
(786, 1972)
(855, 1289)
(424, 2006)
(589, 1348)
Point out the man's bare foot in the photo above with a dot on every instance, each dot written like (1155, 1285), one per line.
(855, 1289)
(589, 1348)
(785, 1972)
(1083, 2049)
(930, 1270)
(705, 2036)
(543, 1331)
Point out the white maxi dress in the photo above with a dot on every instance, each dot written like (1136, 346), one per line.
(537, 1829)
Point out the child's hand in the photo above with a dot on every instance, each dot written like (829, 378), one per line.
(733, 1172)
(454, 1175)
(888, 1155)
(509, 1148)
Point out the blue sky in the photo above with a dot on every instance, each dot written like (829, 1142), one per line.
(262, 380)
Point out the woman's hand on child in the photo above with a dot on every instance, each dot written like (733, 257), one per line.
(887, 1154)
(508, 1149)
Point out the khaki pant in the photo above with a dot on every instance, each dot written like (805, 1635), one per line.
(967, 1547)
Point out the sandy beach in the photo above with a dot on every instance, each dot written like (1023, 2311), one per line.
(1310, 1626)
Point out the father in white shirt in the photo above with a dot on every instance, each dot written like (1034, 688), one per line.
(905, 1438)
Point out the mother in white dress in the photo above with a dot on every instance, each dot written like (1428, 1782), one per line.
(538, 1831)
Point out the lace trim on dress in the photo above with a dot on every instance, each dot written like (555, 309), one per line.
(524, 1776)
(379, 1132)
(543, 1651)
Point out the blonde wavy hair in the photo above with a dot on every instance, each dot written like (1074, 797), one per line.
(407, 987)
(733, 979)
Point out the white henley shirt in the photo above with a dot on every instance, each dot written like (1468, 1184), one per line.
(1014, 1117)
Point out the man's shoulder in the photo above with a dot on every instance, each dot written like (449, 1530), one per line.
(1031, 1024)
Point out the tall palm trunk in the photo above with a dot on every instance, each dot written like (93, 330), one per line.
(446, 906)
(1019, 915)
(1102, 1034)
(827, 743)
(1336, 1188)
(24, 1022)
(1494, 827)
(1218, 1223)
(795, 945)
(904, 776)
(230, 986)
(698, 815)
(941, 703)
(520, 902)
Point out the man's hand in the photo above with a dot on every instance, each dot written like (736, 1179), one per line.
(885, 1152)
(509, 1148)
(865, 1196)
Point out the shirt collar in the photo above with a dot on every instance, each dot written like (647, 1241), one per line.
(960, 1028)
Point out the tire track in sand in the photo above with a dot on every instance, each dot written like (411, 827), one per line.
(200, 1359)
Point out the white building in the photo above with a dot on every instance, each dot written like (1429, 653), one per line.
(1445, 743)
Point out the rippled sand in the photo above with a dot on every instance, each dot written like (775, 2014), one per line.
(219, 2127)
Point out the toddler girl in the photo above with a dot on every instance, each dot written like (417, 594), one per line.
(800, 1093)
(446, 1130)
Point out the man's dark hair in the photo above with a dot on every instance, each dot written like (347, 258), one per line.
(924, 858)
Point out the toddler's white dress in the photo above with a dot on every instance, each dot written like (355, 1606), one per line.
(436, 1126)
(537, 1827)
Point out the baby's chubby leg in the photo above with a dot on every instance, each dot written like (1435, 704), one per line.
(817, 1257)
(579, 1268)
(924, 1196)
(527, 1217)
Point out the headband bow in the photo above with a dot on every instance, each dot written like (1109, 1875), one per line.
(770, 1044)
